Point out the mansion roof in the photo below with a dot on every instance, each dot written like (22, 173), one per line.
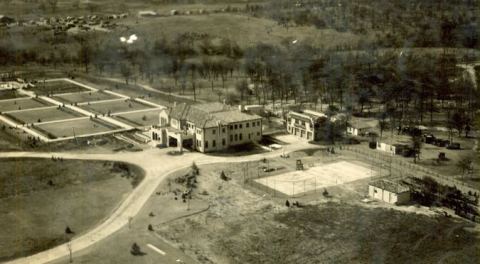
(209, 115)
(390, 186)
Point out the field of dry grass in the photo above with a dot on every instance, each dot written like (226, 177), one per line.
(244, 30)
(39, 198)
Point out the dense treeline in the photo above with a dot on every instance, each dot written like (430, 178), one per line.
(401, 23)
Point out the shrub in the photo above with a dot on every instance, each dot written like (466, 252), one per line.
(195, 169)
(136, 250)
(223, 176)
(68, 230)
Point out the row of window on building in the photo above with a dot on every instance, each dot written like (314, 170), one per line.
(238, 126)
(233, 138)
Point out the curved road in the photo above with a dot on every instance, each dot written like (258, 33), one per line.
(157, 165)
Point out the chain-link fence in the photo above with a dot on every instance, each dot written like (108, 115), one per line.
(400, 168)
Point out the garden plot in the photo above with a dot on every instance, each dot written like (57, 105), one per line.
(80, 127)
(84, 97)
(113, 107)
(317, 178)
(22, 103)
(10, 94)
(144, 118)
(56, 87)
(42, 115)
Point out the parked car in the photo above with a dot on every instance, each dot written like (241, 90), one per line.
(408, 152)
(453, 146)
(429, 139)
(442, 142)
(268, 169)
(351, 141)
(370, 134)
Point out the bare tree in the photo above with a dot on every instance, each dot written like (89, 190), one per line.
(85, 53)
(126, 72)
(416, 144)
(53, 5)
(465, 164)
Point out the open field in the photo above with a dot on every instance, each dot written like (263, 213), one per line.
(42, 197)
(146, 118)
(10, 94)
(43, 115)
(79, 126)
(84, 97)
(244, 30)
(346, 233)
(8, 141)
(23, 103)
(115, 107)
(133, 90)
(56, 87)
(318, 177)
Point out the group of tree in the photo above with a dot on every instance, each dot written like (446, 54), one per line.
(421, 23)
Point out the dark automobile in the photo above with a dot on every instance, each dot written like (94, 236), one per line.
(408, 152)
(453, 146)
(430, 139)
(442, 143)
(351, 141)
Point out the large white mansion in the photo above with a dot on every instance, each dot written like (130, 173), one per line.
(206, 127)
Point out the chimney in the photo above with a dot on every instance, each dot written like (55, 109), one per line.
(241, 108)
(224, 102)
(174, 103)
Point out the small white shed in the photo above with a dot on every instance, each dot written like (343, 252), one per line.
(389, 191)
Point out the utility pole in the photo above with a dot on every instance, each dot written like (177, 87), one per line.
(74, 136)
(69, 247)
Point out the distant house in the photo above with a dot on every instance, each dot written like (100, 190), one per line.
(253, 109)
(389, 191)
(391, 149)
(146, 13)
(304, 124)
(360, 126)
(206, 127)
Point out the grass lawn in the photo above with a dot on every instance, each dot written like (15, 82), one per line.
(7, 140)
(244, 30)
(343, 233)
(115, 107)
(56, 87)
(141, 118)
(133, 90)
(44, 115)
(84, 97)
(81, 127)
(39, 198)
(10, 94)
(24, 103)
